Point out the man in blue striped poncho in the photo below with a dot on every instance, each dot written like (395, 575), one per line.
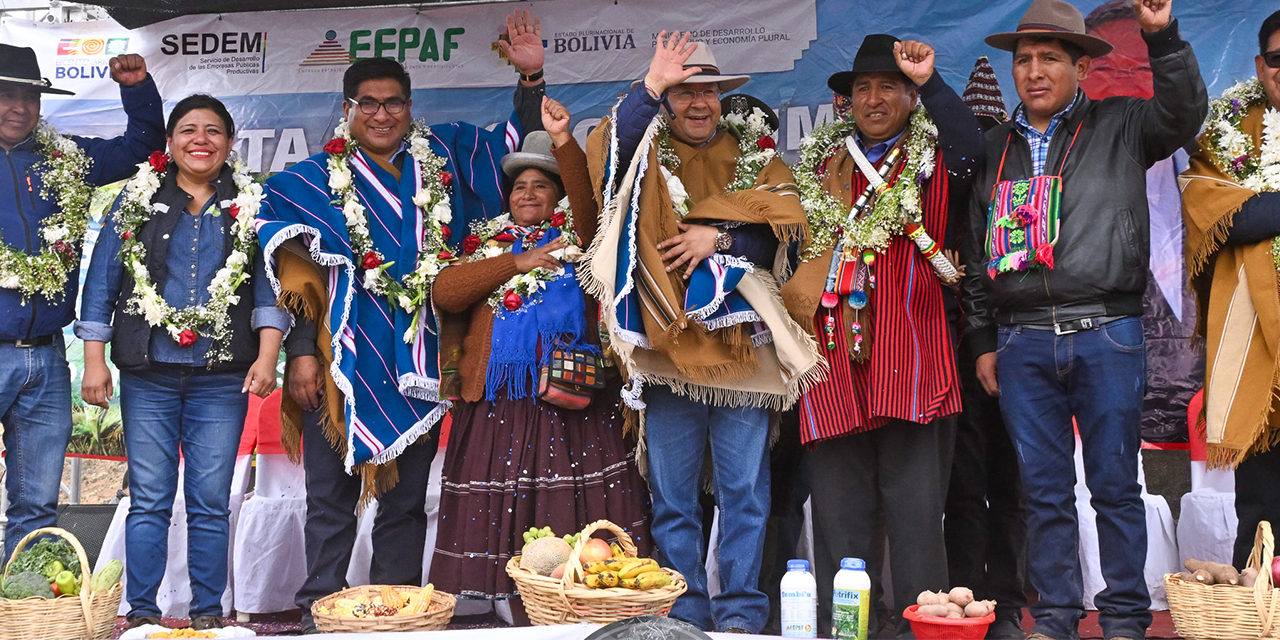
(356, 235)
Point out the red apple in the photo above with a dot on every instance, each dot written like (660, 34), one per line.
(595, 549)
(1275, 570)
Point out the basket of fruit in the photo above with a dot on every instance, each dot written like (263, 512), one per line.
(591, 581)
(1212, 601)
(49, 593)
(950, 615)
(378, 608)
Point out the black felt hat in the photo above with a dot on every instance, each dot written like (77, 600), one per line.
(875, 54)
(18, 66)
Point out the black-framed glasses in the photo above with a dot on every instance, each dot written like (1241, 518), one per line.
(1272, 58)
(369, 107)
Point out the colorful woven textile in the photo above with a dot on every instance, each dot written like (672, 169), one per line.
(1022, 226)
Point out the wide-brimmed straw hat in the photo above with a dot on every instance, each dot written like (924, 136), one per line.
(18, 66)
(710, 70)
(1052, 19)
(535, 154)
(875, 55)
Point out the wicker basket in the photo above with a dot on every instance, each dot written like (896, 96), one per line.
(567, 601)
(1228, 612)
(88, 615)
(435, 620)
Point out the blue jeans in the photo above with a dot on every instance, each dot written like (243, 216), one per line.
(35, 408)
(1099, 377)
(677, 432)
(164, 407)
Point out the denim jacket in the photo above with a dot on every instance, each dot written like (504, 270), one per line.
(182, 260)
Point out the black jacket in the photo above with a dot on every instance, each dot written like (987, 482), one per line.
(1100, 259)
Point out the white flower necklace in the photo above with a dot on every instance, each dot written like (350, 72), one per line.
(487, 240)
(63, 172)
(213, 318)
(1232, 148)
(414, 289)
(893, 209)
(755, 145)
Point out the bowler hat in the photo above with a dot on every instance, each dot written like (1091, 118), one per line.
(1052, 19)
(18, 66)
(534, 153)
(710, 71)
(875, 55)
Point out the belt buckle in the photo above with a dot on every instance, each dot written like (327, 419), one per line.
(1079, 325)
(23, 343)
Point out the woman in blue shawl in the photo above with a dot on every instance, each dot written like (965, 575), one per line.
(515, 460)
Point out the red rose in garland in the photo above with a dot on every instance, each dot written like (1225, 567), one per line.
(371, 261)
(512, 300)
(187, 338)
(446, 179)
(766, 142)
(444, 255)
(445, 234)
(470, 244)
(335, 146)
(159, 161)
(235, 210)
(126, 235)
(557, 219)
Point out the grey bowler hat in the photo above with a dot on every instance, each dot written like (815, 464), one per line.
(534, 153)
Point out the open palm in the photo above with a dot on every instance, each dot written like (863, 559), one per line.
(524, 42)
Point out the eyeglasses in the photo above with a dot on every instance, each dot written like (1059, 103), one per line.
(689, 95)
(1272, 58)
(370, 107)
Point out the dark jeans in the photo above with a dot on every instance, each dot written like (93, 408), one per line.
(1099, 377)
(902, 470)
(1257, 499)
(986, 523)
(35, 409)
(399, 529)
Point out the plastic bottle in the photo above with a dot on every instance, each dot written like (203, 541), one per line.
(851, 604)
(799, 601)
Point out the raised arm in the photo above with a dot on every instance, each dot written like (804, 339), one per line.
(114, 158)
(573, 171)
(523, 47)
(959, 136)
(1172, 117)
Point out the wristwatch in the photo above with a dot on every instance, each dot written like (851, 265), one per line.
(723, 241)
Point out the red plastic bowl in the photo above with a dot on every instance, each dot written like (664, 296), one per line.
(935, 628)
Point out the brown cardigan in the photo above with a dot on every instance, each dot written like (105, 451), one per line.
(466, 287)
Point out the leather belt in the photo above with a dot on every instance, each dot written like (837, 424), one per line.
(27, 343)
(1072, 326)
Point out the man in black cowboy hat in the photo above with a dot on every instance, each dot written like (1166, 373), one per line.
(35, 382)
(880, 427)
(1056, 255)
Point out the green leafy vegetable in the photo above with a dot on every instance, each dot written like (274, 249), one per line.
(41, 554)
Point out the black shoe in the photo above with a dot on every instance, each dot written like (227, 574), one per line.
(138, 621)
(1005, 629)
(308, 625)
(202, 623)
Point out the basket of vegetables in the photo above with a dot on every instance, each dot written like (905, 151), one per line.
(1212, 601)
(382, 608)
(49, 593)
(591, 580)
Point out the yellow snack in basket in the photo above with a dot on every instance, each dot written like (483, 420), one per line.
(184, 633)
(390, 597)
(641, 565)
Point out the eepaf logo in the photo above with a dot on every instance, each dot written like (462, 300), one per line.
(93, 46)
(405, 43)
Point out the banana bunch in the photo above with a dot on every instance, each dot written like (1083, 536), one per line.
(631, 573)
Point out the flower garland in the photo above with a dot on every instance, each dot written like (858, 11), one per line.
(214, 317)
(896, 207)
(63, 173)
(1232, 148)
(414, 288)
(487, 241)
(755, 144)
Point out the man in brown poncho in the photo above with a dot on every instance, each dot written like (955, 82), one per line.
(1231, 206)
(695, 211)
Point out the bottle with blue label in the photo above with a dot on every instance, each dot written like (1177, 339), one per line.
(851, 603)
(799, 601)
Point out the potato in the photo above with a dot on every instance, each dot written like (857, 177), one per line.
(935, 610)
(961, 596)
(925, 598)
(1219, 573)
(1248, 577)
(1202, 576)
(978, 608)
(953, 608)
(941, 598)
